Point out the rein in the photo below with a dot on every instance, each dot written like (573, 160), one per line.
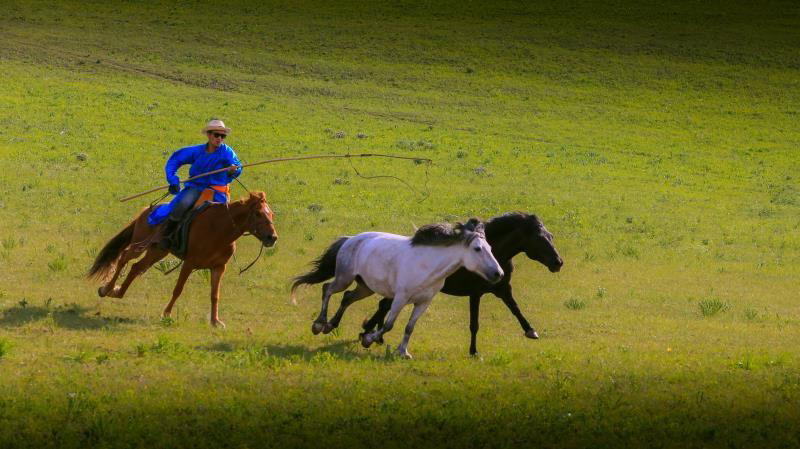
(236, 227)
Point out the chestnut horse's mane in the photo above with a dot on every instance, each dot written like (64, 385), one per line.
(252, 196)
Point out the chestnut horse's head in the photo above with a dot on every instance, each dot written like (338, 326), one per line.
(261, 223)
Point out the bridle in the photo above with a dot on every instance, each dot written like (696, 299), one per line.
(246, 231)
(246, 227)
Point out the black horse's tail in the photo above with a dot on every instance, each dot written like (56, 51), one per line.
(104, 262)
(324, 267)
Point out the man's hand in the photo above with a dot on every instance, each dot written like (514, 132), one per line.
(174, 188)
(232, 169)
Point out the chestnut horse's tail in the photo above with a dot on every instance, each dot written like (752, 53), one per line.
(324, 267)
(104, 262)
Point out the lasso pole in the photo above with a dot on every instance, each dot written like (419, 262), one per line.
(283, 159)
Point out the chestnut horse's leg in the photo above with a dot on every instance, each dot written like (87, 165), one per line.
(216, 279)
(152, 256)
(142, 233)
(186, 270)
(110, 287)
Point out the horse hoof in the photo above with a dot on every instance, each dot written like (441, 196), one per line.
(218, 323)
(327, 328)
(317, 327)
(365, 340)
(532, 334)
(405, 355)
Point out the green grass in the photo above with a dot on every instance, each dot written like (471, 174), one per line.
(656, 141)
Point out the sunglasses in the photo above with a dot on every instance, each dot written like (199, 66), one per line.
(218, 134)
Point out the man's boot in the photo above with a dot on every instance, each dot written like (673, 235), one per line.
(166, 236)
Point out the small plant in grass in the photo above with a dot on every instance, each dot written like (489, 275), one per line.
(500, 359)
(80, 357)
(745, 364)
(164, 345)
(166, 265)
(751, 314)
(323, 358)
(601, 292)
(5, 347)
(9, 243)
(204, 274)
(58, 264)
(712, 306)
(575, 304)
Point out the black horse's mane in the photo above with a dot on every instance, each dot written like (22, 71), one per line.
(446, 234)
(507, 223)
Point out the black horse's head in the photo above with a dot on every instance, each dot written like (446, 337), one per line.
(538, 245)
(528, 235)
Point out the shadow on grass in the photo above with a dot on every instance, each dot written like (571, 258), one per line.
(70, 316)
(343, 350)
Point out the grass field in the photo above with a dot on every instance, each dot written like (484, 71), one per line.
(657, 142)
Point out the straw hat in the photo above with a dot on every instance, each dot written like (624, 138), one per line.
(216, 125)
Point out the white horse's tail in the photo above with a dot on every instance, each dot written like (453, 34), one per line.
(324, 267)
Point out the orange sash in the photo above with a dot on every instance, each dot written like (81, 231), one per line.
(208, 194)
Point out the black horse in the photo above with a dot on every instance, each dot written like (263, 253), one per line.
(509, 235)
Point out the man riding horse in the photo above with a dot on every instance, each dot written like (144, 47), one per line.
(209, 156)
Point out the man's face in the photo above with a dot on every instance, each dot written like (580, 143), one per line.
(216, 138)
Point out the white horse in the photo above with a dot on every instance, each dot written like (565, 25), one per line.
(408, 269)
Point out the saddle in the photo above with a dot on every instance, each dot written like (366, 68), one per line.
(179, 241)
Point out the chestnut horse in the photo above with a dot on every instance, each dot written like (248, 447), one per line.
(211, 244)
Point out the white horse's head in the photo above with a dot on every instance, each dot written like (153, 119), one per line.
(477, 256)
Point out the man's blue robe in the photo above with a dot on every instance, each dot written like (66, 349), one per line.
(201, 162)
